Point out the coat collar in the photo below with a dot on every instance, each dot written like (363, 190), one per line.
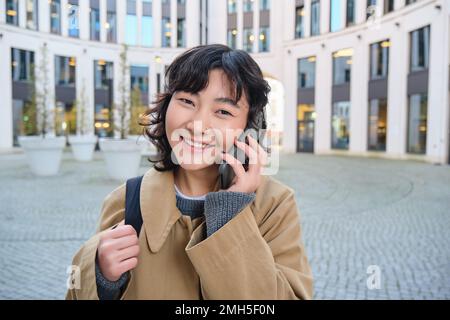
(158, 206)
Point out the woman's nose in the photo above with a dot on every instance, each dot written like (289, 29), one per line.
(199, 122)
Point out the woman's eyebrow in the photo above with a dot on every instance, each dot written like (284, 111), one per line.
(227, 101)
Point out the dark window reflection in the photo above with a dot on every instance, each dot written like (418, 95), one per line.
(377, 124)
(340, 125)
(417, 123)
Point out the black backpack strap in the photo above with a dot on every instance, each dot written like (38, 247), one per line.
(133, 214)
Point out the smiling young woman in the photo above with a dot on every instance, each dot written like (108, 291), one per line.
(198, 241)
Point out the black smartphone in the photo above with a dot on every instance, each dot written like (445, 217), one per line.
(226, 172)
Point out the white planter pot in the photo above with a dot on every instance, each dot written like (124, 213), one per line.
(43, 155)
(83, 147)
(122, 157)
(147, 148)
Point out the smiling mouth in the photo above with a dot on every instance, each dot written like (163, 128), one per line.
(197, 145)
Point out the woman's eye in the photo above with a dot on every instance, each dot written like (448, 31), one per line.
(224, 112)
(186, 101)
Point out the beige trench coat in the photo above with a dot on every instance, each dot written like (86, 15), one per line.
(258, 254)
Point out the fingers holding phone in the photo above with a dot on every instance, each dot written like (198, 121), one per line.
(247, 181)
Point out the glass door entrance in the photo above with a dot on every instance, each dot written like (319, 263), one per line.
(305, 127)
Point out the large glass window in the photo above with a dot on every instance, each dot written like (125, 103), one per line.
(131, 29)
(139, 90)
(371, 9)
(139, 77)
(379, 59)
(335, 15)
(55, 16)
(306, 72)
(103, 79)
(166, 31)
(248, 39)
(264, 39)
(32, 14)
(65, 68)
(65, 112)
(65, 118)
(24, 118)
(350, 14)
(111, 26)
(231, 38)
(340, 125)
(181, 32)
(299, 20)
(74, 26)
(131, 23)
(147, 24)
(103, 74)
(103, 120)
(377, 124)
(94, 17)
(417, 123)
(306, 116)
(147, 31)
(248, 5)
(420, 49)
(231, 7)
(22, 63)
(315, 18)
(23, 109)
(12, 12)
(342, 63)
(388, 6)
(264, 4)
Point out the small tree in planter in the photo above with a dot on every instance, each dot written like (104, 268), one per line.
(83, 144)
(44, 152)
(137, 110)
(122, 155)
(29, 120)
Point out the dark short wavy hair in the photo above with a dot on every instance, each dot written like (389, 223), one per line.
(189, 72)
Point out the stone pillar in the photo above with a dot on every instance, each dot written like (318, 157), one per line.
(438, 90)
(44, 16)
(322, 133)
(157, 12)
(397, 94)
(359, 98)
(192, 23)
(173, 23)
(84, 22)
(64, 18)
(102, 20)
(6, 103)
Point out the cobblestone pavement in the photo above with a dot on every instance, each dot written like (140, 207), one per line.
(355, 213)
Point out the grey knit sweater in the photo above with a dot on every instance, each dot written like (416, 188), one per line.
(218, 208)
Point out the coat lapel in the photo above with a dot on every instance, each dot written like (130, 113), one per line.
(158, 206)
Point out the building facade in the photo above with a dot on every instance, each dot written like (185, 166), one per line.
(351, 77)
(371, 78)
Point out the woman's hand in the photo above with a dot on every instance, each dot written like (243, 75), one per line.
(118, 251)
(247, 181)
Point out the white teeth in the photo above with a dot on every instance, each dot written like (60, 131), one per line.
(195, 144)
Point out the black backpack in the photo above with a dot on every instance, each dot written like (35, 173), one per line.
(133, 215)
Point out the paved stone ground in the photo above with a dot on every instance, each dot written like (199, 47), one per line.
(355, 213)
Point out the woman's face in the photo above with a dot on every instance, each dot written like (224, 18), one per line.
(199, 126)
